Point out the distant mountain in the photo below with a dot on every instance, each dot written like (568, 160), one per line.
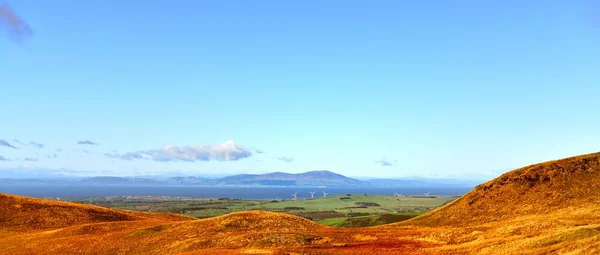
(420, 183)
(312, 178)
(34, 181)
(119, 180)
(396, 182)
(189, 180)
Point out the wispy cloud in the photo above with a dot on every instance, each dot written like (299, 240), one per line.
(286, 159)
(7, 144)
(30, 159)
(59, 150)
(37, 145)
(30, 143)
(227, 151)
(3, 158)
(15, 26)
(126, 156)
(52, 156)
(86, 142)
(385, 162)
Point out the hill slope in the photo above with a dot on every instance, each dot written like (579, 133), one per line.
(533, 190)
(22, 213)
(544, 208)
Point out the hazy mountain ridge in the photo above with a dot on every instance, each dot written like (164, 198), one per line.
(421, 182)
(306, 179)
(118, 180)
(312, 178)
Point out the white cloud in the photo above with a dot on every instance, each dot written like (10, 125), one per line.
(227, 151)
(286, 159)
(385, 162)
(125, 156)
(86, 142)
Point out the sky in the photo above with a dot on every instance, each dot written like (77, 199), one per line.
(432, 89)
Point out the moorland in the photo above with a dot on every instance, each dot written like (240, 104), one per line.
(545, 208)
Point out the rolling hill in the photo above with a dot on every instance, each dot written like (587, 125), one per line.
(533, 190)
(22, 213)
(545, 208)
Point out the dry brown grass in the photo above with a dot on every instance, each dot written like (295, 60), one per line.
(539, 189)
(22, 213)
(545, 208)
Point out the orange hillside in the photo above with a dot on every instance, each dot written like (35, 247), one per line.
(540, 209)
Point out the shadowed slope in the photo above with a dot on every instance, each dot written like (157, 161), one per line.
(538, 189)
(23, 213)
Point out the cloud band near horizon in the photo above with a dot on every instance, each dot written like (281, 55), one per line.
(227, 151)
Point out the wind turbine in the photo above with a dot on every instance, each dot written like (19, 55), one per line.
(426, 194)
(325, 194)
(312, 194)
(295, 195)
(398, 194)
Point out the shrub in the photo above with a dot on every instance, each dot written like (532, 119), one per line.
(293, 208)
(366, 204)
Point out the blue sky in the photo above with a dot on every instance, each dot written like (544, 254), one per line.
(467, 89)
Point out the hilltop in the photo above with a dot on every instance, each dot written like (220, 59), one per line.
(549, 207)
(537, 189)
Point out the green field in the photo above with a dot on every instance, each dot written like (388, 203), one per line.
(341, 211)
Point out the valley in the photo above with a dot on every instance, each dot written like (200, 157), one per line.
(356, 210)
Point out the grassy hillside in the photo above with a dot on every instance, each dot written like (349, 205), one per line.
(22, 213)
(549, 208)
(533, 190)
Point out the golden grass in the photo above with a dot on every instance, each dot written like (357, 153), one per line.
(545, 208)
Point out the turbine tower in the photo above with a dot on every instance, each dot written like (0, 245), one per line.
(325, 194)
(295, 195)
(312, 194)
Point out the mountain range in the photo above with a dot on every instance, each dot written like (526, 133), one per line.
(322, 178)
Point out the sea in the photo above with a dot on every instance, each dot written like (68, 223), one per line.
(83, 191)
